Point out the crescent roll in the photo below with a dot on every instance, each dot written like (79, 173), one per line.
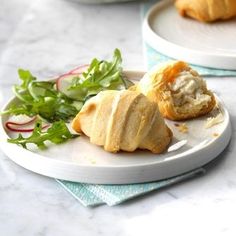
(207, 10)
(178, 90)
(123, 120)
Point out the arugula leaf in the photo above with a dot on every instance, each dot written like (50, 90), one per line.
(41, 98)
(26, 78)
(101, 75)
(21, 91)
(57, 133)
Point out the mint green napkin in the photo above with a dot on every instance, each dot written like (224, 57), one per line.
(154, 57)
(95, 194)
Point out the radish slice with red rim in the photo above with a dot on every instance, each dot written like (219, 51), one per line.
(21, 130)
(17, 122)
(79, 69)
(65, 80)
(76, 71)
(21, 119)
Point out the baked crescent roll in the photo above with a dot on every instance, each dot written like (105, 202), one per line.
(178, 90)
(207, 10)
(123, 120)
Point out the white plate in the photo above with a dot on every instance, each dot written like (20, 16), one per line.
(211, 45)
(79, 160)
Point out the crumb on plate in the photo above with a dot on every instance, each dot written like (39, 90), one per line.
(183, 128)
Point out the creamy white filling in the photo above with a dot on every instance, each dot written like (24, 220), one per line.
(188, 89)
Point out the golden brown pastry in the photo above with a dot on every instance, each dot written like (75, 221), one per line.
(123, 120)
(207, 10)
(178, 90)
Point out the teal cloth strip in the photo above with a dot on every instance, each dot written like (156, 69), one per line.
(94, 194)
(154, 57)
(81, 193)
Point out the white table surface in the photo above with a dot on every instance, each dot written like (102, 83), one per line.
(51, 36)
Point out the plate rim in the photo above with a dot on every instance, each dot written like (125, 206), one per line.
(206, 59)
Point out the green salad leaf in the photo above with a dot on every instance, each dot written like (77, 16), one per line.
(57, 133)
(41, 98)
(101, 75)
(46, 100)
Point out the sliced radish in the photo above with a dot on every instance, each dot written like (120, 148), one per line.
(79, 69)
(17, 126)
(21, 130)
(64, 83)
(21, 120)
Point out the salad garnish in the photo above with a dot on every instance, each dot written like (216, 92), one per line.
(58, 101)
(57, 133)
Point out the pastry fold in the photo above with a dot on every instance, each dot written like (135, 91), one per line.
(123, 120)
(178, 90)
(207, 10)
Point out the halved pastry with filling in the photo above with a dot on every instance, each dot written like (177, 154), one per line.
(123, 120)
(178, 90)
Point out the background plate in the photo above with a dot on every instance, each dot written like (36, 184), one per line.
(206, 44)
(80, 161)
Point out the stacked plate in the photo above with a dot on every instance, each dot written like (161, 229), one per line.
(205, 44)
